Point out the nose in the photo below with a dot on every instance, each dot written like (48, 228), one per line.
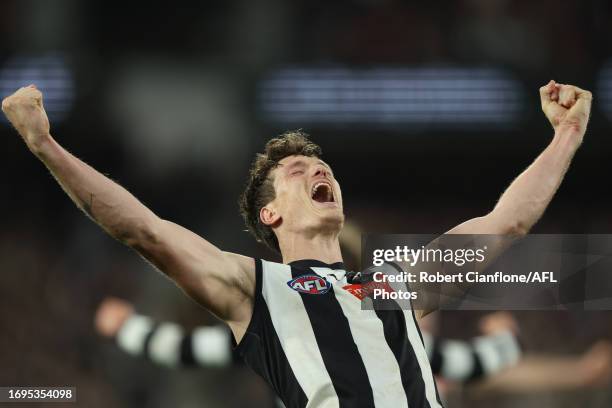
(321, 171)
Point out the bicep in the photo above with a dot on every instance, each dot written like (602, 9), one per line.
(222, 282)
(478, 225)
(493, 232)
(475, 234)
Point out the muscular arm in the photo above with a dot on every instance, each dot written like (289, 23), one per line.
(222, 282)
(526, 199)
(523, 203)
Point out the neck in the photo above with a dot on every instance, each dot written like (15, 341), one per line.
(322, 247)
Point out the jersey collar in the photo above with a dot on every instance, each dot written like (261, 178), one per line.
(307, 263)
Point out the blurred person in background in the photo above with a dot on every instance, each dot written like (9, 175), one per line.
(492, 362)
(170, 345)
(293, 203)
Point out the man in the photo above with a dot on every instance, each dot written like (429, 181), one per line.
(292, 322)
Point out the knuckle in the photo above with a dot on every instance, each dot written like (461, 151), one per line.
(6, 103)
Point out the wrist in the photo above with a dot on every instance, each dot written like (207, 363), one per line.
(569, 136)
(39, 143)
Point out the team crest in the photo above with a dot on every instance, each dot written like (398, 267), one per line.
(310, 284)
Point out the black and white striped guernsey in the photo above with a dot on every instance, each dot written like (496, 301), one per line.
(310, 340)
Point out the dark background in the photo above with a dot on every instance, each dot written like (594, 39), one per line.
(165, 97)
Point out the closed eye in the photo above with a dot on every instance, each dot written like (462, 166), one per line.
(297, 172)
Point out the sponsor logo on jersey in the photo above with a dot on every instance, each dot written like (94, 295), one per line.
(310, 284)
(362, 291)
(356, 290)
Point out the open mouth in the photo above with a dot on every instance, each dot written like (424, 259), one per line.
(322, 193)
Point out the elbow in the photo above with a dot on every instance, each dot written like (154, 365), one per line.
(502, 223)
(516, 229)
(144, 235)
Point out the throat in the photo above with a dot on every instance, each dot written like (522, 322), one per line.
(322, 248)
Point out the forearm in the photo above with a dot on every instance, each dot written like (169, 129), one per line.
(537, 374)
(518, 209)
(201, 269)
(107, 203)
(196, 265)
(526, 199)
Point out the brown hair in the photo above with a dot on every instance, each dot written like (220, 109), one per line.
(259, 190)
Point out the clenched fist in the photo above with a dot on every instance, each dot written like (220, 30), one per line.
(24, 109)
(567, 107)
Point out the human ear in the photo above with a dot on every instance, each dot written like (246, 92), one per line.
(268, 215)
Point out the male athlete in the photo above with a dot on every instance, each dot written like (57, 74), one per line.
(294, 323)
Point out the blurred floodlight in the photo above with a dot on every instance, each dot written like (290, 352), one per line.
(50, 74)
(476, 98)
(604, 90)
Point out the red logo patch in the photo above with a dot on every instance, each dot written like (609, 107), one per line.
(356, 290)
(361, 291)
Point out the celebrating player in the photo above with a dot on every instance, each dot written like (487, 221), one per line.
(293, 322)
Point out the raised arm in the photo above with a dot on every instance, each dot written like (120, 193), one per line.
(524, 201)
(222, 282)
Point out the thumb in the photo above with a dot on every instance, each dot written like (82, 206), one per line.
(546, 93)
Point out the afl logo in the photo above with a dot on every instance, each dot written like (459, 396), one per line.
(310, 284)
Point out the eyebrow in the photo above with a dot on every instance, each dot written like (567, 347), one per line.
(302, 163)
(295, 164)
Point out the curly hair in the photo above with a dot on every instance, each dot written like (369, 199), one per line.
(259, 190)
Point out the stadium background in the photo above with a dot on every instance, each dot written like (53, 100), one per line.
(425, 111)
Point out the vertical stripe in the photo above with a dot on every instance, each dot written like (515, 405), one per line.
(261, 349)
(478, 371)
(292, 325)
(415, 339)
(434, 353)
(382, 367)
(458, 360)
(490, 358)
(186, 357)
(280, 373)
(417, 346)
(395, 335)
(497, 351)
(211, 346)
(430, 344)
(164, 344)
(337, 347)
(132, 335)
